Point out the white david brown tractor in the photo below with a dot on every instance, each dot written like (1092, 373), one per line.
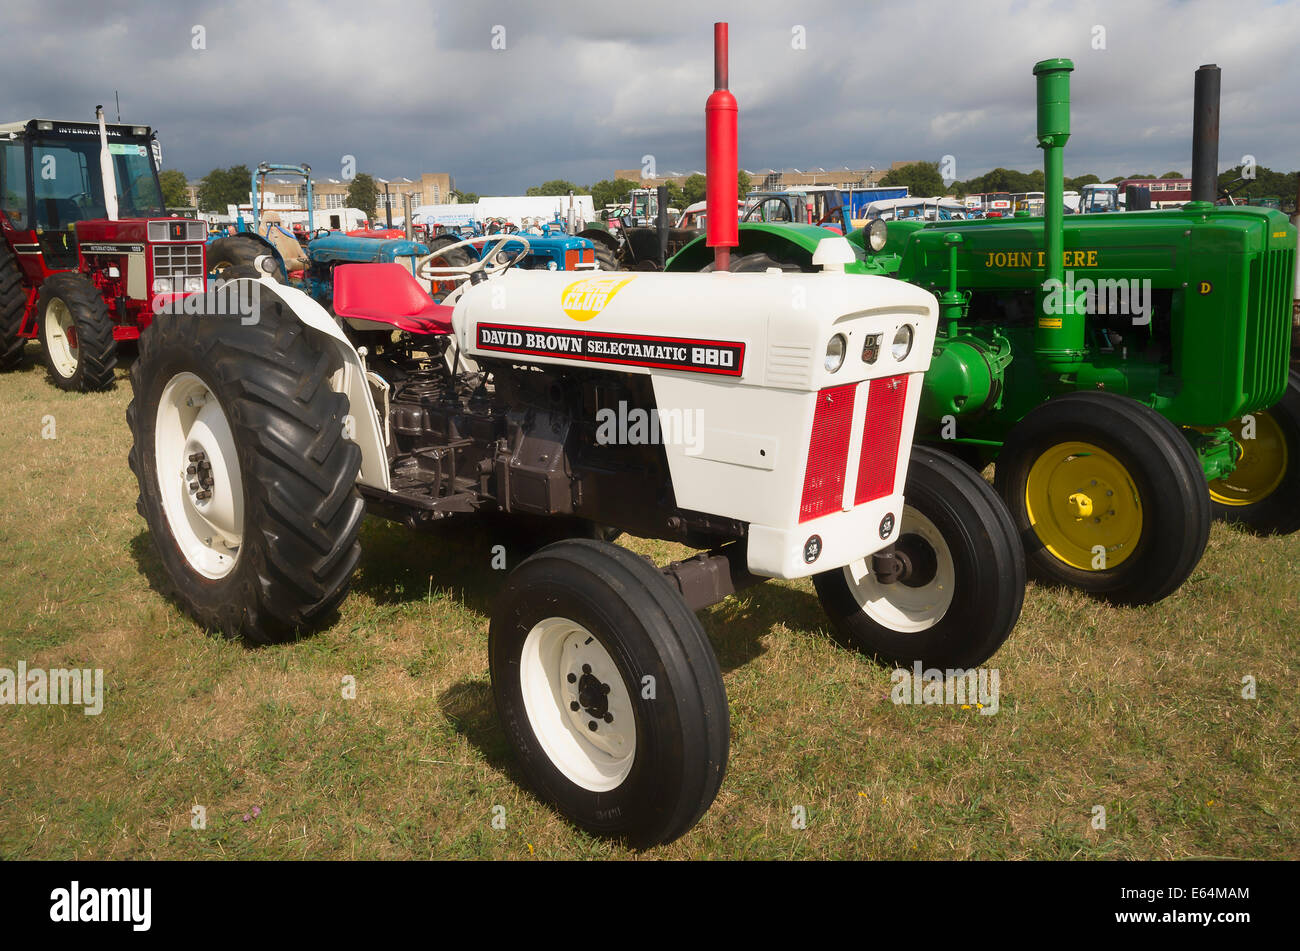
(259, 446)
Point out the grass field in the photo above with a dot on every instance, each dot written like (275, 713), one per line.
(1139, 711)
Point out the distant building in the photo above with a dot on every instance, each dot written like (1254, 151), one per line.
(770, 179)
(284, 193)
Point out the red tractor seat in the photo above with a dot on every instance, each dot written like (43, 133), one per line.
(387, 294)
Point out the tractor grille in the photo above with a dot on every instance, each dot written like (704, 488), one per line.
(177, 260)
(1268, 333)
(878, 464)
(828, 452)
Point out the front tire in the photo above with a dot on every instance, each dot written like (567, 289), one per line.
(1107, 497)
(246, 481)
(963, 584)
(1263, 494)
(236, 256)
(609, 692)
(76, 334)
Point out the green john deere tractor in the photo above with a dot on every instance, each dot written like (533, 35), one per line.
(1112, 366)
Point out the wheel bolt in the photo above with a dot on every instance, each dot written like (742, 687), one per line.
(194, 487)
(191, 470)
(592, 725)
(573, 678)
(586, 668)
(573, 705)
(604, 688)
(609, 718)
(203, 494)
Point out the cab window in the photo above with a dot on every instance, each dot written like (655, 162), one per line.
(13, 182)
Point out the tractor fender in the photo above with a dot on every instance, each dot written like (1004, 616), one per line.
(791, 243)
(599, 236)
(362, 426)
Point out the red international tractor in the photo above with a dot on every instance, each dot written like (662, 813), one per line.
(88, 253)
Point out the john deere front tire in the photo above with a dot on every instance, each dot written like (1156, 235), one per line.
(76, 333)
(246, 481)
(1263, 494)
(609, 692)
(13, 305)
(962, 582)
(1107, 496)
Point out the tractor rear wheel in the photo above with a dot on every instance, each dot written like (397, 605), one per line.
(962, 581)
(76, 333)
(237, 255)
(1263, 494)
(609, 691)
(13, 305)
(1107, 496)
(606, 260)
(246, 480)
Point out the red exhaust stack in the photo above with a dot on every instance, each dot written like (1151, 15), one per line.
(722, 157)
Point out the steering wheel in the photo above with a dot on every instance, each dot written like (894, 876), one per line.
(321, 233)
(425, 270)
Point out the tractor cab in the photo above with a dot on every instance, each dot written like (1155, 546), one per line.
(1095, 199)
(82, 221)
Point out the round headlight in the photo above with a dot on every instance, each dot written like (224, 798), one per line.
(835, 350)
(902, 344)
(876, 234)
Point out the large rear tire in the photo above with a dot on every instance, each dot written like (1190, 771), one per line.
(1107, 496)
(13, 305)
(609, 692)
(246, 481)
(963, 580)
(1263, 494)
(76, 333)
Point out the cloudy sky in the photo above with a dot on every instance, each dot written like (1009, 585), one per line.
(582, 88)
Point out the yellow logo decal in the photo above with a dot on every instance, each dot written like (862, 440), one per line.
(1279, 234)
(584, 299)
(1050, 323)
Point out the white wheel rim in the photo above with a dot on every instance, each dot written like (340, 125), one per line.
(898, 606)
(556, 650)
(190, 422)
(63, 353)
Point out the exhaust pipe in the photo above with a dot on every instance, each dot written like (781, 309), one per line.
(1058, 339)
(722, 157)
(1205, 135)
(661, 224)
(106, 168)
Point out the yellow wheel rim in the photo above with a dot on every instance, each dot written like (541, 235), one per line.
(1084, 506)
(1261, 464)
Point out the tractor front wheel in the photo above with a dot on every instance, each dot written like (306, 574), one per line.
(961, 581)
(246, 480)
(609, 691)
(1107, 496)
(236, 256)
(1263, 494)
(76, 333)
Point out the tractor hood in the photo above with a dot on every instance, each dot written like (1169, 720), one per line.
(341, 249)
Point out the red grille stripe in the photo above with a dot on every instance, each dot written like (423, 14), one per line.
(828, 452)
(879, 461)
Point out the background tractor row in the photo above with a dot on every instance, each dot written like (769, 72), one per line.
(1112, 365)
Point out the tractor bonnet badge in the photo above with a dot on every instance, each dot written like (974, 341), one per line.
(812, 548)
(887, 525)
(584, 299)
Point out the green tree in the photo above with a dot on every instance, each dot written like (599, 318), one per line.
(696, 187)
(743, 183)
(225, 186)
(1116, 180)
(556, 186)
(921, 178)
(606, 192)
(676, 196)
(1173, 175)
(174, 188)
(363, 193)
(1074, 184)
(467, 198)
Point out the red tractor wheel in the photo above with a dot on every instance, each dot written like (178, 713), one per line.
(76, 333)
